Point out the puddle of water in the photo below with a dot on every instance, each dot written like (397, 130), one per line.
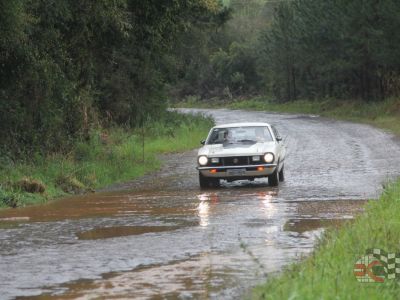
(205, 276)
(323, 208)
(225, 273)
(97, 206)
(111, 232)
(14, 219)
(220, 221)
(304, 225)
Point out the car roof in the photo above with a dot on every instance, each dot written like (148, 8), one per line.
(244, 124)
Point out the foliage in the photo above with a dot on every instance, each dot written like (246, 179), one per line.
(293, 50)
(68, 67)
(384, 114)
(107, 157)
(341, 49)
(221, 61)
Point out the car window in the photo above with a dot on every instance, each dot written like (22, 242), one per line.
(246, 134)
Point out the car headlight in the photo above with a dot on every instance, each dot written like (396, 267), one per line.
(256, 158)
(203, 160)
(269, 157)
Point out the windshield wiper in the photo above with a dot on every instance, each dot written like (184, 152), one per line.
(247, 141)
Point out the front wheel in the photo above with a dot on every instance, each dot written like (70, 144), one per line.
(206, 182)
(282, 174)
(273, 179)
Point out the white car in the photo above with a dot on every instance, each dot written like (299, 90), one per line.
(241, 151)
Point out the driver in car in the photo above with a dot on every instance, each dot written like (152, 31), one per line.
(227, 136)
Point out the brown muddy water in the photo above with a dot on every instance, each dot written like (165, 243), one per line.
(161, 237)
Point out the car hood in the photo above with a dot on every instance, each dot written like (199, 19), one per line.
(236, 149)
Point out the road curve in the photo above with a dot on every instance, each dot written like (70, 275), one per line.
(163, 237)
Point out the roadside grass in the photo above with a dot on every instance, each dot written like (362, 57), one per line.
(328, 273)
(109, 157)
(384, 114)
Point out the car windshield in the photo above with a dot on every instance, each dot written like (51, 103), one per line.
(233, 135)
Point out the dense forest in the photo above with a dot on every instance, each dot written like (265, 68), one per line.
(69, 66)
(337, 48)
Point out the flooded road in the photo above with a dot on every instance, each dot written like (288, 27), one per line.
(161, 237)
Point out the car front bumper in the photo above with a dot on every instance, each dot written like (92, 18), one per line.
(243, 171)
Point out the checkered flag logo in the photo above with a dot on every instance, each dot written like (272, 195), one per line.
(377, 265)
(390, 262)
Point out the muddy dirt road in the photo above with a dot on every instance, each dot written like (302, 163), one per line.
(162, 237)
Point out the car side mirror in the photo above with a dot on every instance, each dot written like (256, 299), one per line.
(278, 138)
(203, 142)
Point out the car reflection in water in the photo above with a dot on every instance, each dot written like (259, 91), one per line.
(203, 209)
(271, 211)
(207, 200)
(267, 205)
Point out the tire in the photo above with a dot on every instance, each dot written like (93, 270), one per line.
(282, 174)
(273, 179)
(206, 182)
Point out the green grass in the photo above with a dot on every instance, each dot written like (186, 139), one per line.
(107, 158)
(328, 273)
(384, 114)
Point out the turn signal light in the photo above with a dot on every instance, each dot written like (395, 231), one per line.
(260, 168)
(213, 171)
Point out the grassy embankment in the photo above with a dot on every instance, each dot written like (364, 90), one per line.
(328, 273)
(107, 158)
(384, 114)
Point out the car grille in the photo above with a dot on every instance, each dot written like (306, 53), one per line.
(235, 161)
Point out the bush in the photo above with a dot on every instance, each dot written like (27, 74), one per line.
(30, 185)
